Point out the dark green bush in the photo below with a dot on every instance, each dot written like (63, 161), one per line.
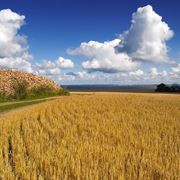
(2, 97)
(63, 92)
(41, 91)
(21, 90)
(46, 91)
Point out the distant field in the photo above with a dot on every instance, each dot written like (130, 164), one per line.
(93, 136)
(111, 88)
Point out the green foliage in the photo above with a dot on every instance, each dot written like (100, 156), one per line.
(46, 91)
(22, 92)
(63, 92)
(18, 105)
(3, 97)
(42, 91)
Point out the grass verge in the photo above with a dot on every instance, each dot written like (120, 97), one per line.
(21, 92)
(18, 105)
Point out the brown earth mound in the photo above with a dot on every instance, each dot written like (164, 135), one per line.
(9, 80)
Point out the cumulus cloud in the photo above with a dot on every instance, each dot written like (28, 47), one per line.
(64, 63)
(48, 67)
(14, 49)
(144, 41)
(147, 36)
(167, 76)
(176, 69)
(150, 76)
(175, 72)
(154, 72)
(115, 61)
(139, 72)
(102, 57)
(79, 74)
(13, 46)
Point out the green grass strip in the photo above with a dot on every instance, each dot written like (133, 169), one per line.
(17, 105)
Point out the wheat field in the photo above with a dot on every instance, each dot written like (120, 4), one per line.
(99, 136)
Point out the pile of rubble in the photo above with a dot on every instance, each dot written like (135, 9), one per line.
(10, 78)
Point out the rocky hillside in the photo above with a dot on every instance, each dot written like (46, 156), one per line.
(9, 80)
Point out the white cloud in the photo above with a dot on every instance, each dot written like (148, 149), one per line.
(170, 76)
(13, 46)
(139, 76)
(14, 49)
(64, 63)
(175, 73)
(79, 74)
(176, 69)
(139, 72)
(164, 73)
(48, 67)
(102, 57)
(147, 36)
(154, 72)
(144, 41)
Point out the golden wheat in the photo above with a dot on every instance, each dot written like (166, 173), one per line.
(100, 136)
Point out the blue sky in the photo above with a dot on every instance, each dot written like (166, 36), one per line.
(52, 27)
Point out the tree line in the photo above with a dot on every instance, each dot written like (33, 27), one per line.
(165, 88)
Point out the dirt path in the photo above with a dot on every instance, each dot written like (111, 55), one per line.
(16, 102)
(37, 101)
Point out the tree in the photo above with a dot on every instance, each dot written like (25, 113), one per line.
(162, 88)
